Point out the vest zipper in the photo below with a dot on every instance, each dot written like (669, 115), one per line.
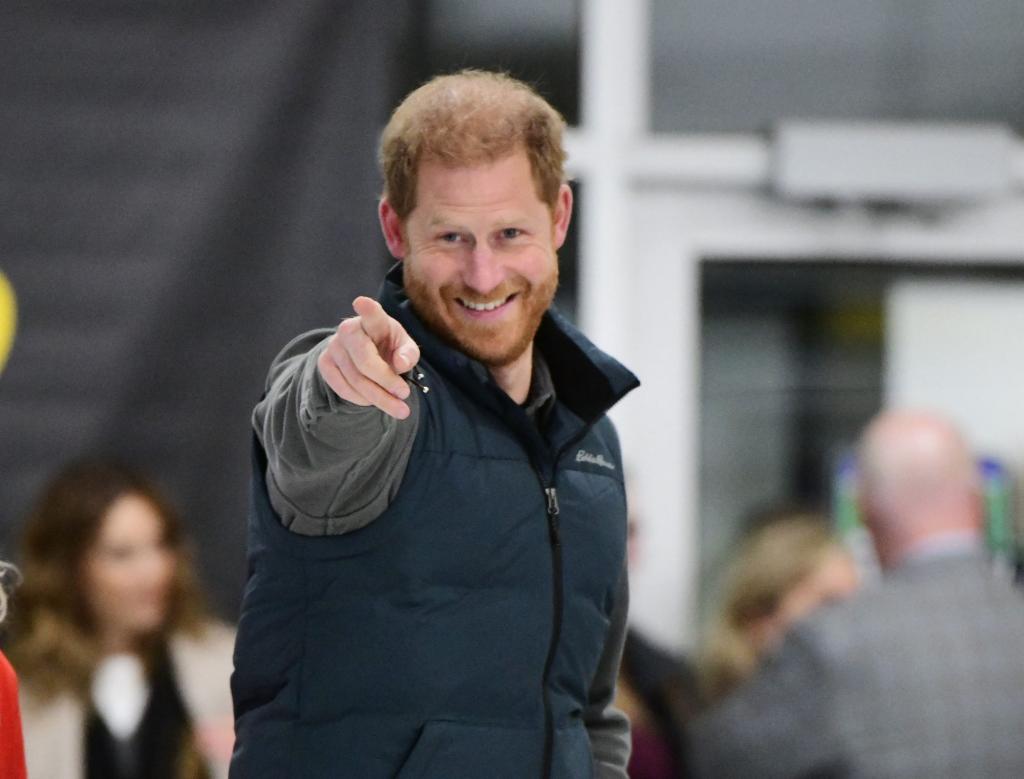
(551, 495)
(555, 537)
(553, 532)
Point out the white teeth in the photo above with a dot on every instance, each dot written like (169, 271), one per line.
(483, 306)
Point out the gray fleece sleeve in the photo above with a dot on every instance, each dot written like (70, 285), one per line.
(332, 466)
(607, 726)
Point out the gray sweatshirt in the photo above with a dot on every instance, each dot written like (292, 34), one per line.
(334, 467)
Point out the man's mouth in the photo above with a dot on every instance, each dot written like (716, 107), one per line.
(485, 305)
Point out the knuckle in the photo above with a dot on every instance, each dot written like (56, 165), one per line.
(332, 354)
(349, 326)
(326, 363)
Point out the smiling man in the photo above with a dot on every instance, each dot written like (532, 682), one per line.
(437, 539)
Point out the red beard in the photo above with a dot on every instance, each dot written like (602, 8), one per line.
(495, 345)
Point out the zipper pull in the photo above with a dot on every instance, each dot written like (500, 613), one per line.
(552, 496)
(415, 377)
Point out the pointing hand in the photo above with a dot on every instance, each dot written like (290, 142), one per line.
(365, 357)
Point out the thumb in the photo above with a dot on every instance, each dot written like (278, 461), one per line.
(406, 355)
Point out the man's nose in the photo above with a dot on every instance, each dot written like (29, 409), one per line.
(483, 270)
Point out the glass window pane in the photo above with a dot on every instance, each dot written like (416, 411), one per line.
(535, 40)
(740, 65)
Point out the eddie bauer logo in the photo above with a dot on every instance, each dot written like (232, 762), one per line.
(583, 456)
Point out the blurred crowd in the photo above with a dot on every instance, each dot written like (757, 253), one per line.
(805, 669)
(810, 668)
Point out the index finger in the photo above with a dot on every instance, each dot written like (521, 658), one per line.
(375, 322)
(390, 338)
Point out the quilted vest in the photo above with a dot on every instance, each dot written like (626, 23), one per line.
(456, 635)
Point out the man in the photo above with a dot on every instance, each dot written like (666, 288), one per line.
(919, 677)
(437, 542)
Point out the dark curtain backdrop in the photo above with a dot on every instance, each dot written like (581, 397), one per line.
(184, 187)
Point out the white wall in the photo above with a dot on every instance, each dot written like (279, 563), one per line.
(959, 349)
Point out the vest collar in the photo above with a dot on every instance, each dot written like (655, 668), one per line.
(587, 381)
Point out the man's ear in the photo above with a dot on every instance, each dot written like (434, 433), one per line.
(562, 215)
(391, 226)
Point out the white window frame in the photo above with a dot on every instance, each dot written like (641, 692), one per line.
(654, 207)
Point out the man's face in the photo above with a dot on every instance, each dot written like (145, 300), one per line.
(480, 254)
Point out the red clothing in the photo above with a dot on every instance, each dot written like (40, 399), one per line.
(12, 747)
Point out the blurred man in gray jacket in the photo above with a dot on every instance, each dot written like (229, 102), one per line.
(921, 676)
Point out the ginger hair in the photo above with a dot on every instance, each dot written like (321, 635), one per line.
(469, 118)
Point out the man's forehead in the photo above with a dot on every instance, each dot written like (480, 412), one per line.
(446, 218)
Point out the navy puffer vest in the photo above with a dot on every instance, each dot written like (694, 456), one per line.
(457, 634)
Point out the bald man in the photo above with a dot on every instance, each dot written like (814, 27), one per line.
(922, 676)
(918, 489)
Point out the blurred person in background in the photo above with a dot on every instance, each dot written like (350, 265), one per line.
(788, 566)
(123, 674)
(12, 748)
(920, 676)
(656, 690)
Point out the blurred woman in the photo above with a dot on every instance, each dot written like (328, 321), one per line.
(12, 749)
(786, 568)
(123, 675)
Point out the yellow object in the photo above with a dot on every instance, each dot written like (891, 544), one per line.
(8, 319)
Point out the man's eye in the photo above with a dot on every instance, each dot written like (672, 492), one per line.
(511, 232)
(450, 237)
